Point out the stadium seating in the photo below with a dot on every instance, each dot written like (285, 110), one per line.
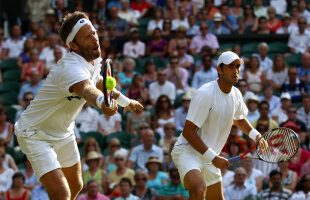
(293, 60)
(11, 75)
(123, 136)
(278, 47)
(226, 47)
(9, 98)
(250, 48)
(9, 87)
(11, 114)
(10, 63)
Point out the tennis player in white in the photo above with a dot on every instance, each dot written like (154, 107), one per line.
(215, 107)
(45, 130)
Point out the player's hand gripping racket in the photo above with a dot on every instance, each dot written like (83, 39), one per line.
(282, 145)
(107, 71)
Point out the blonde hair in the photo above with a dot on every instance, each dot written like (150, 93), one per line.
(87, 142)
(112, 141)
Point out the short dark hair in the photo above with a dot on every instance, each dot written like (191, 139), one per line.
(18, 175)
(126, 180)
(274, 172)
(68, 23)
(262, 103)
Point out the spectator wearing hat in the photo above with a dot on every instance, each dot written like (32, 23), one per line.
(134, 48)
(181, 112)
(252, 104)
(127, 14)
(280, 114)
(296, 87)
(287, 26)
(174, 189)
(141, 189)
(93, 191)
(207, 73)
(120, 24)
(181, 21)
(218, 28)
(94, 171)
(156, 178)
(204, 39)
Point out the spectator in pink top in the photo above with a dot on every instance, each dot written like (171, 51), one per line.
(204, 39)
(93, 193)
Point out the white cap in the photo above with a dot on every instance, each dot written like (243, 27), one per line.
(217, 17)
(285, 95)
(228, 57)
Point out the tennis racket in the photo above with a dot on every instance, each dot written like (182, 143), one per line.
(107, 71)
(282, 145)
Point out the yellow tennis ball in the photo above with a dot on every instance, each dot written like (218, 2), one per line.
(110, 83)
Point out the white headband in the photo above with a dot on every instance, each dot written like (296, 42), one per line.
(76, 28)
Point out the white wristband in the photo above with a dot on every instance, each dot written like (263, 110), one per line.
(210, 154)
(122, 100)
(100, 100)
(253, 134)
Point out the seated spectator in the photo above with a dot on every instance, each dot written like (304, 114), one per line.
(156, 177)
(164, 113)
(250, 20)
(234, 149)
(6, 128)
(205, 51)
(140, 154)
(260, 9)
(124, 78)
(253, 176)
(174, 188)
(241, 142)
(279, 5)
(186, 61)
(24, 56)
(287, 26)
(138, 139)
(88, 119)
(276, 190)
(141, 189)
(239, 190)
(189, 5)
(150, 74)
(50, 65)
(113, 146)
(241, 28)
(252, 105)
(39, 193)
(134, 48)
(303, 188)
(141, 7)
(157, 22)
(109, 124)
(8, 161)
(265, 63)
(47, 54)
(115, 41)
(127, 14)
(243, 87)
(33, 86)
(273, 24)
(41, 41)
(236, 9)
(33, 65)
(303, 10)
(167, 27)
(171, 10)
(277, 75)
(180, 38)
(12, 47)
(28, 97)
(91, 144)
(303, 113)
(31, 179)
(229, 21)
(263, 108)
(254, 76)
(102, 29)
(207, 73)
(294, 86)
(237, 50)
(301, 157)
(121, 171)
(6, 174)
(165, 143)
(181, 112)
(299, 38)
(295, 16)
(289, 178)
(227, 177)
(126, 187)
(218, 28)
(18, 191)
(181, 20)
(268, 95)
(158, 46)
(280, 114)
(203, 39)
(94, 172)
(262, 26)
(121, 26)
(193, 28)
(162, 87)
(177, 75)
(303, 71)
(93, 191)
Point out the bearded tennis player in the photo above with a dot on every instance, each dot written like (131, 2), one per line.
(45, 130)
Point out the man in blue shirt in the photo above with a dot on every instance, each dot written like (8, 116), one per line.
(33, 86)
(207, 74)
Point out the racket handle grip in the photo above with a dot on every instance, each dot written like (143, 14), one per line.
(234, 159)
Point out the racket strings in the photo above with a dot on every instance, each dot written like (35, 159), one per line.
(282, 145)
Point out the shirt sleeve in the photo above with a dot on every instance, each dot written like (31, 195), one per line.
(196, 114)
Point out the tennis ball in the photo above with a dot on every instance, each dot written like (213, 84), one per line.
(110, 83)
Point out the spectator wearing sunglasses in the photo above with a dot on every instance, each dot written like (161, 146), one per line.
(141, 189)
(207, 73)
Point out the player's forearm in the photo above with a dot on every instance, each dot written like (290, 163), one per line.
(99, 84)
(88, 92)
(244, 125)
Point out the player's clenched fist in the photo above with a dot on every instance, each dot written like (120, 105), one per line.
(109, 111)
(220, 162)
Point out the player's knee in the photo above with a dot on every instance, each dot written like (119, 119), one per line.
(63, 193)
(78, 186)
(198, 191)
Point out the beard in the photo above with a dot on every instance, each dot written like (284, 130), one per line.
(88, 53)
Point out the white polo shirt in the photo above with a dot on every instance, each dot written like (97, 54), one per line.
(14, 47)
(54, 109)
(213, 112)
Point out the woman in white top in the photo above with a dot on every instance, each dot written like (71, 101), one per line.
(254, 176)
(5, 175)
(254, 76)
(109, 124)
(157, 22)
(8, 160)
(277, 75)
(6, 128)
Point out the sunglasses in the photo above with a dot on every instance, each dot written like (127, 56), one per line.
(28, 99)
(204, 28)
(162, 74)
(115, 145)
(119, 159)
(164, 101)
(292, 111)
(264, 108)
(175, 176)
(2, 156)
(141, 179)
(169, 128)
(144, 127)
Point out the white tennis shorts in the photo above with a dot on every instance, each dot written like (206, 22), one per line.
(186, 159)
(47, 153)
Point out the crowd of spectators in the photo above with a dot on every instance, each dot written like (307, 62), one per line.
(162, 51)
